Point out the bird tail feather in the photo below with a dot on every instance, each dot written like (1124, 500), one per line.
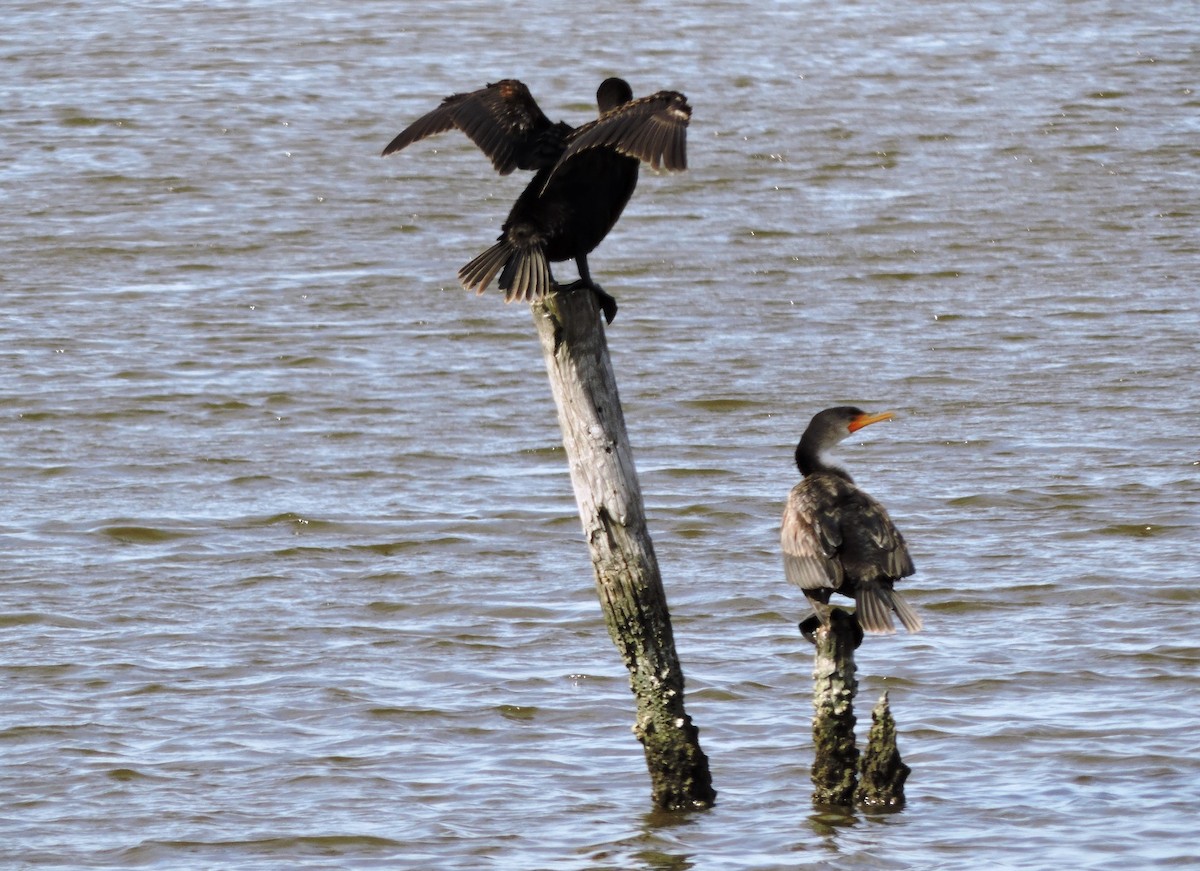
(874, 609)
(875, 606)
(478, 274)
(526, 275)
(524, 271)
(907, 614)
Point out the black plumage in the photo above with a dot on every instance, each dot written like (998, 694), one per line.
(584, 175)
(837, 539)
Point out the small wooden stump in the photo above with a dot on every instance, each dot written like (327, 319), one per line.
(614, 523)
(843, 779)
(835, 759)
(881, 785)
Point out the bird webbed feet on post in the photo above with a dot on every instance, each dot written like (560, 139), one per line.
(607, 304)
(827, 614)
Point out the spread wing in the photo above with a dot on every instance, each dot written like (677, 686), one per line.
(652, 129)
(502, 119)
(810, 538)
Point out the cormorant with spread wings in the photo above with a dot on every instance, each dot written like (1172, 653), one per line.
(584, 175)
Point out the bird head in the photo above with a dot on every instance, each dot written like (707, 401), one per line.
(828, 428)
(612, 93)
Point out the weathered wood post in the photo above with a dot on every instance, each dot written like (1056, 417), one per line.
(876, 780)
(883, 772)
(626, 571)
(835, 756)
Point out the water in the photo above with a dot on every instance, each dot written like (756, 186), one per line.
(292, 572)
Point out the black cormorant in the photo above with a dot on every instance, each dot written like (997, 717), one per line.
(837, 539)
(585, 175)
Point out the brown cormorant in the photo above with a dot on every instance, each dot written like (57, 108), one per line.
(837, 539)
(585, 175)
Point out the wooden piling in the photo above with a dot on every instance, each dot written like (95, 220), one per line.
(626, 571)
(835, 756)
(883, 772)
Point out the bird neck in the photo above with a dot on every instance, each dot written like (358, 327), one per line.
(810, 461)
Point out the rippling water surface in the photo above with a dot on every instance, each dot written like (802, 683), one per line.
(292, 572)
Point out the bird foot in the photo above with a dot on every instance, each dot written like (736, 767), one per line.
(607, 304)
(809, 627)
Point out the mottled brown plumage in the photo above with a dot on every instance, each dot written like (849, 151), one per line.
(837, 539)
(584, 176)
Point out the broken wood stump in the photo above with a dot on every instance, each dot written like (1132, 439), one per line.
(835, 756)
(882, 772)
(841, 778)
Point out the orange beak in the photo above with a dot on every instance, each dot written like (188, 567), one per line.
(868, 419)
